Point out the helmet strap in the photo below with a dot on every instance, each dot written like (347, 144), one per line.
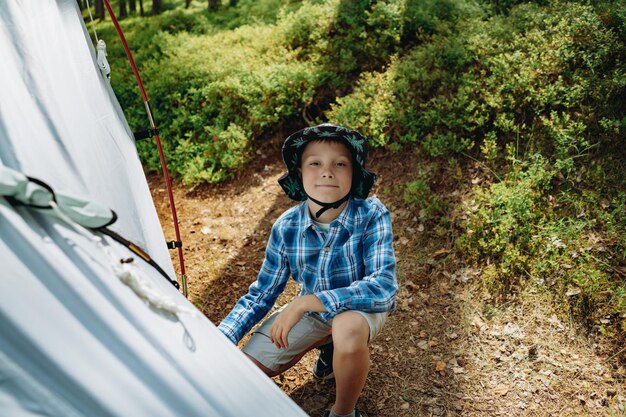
(327, 206)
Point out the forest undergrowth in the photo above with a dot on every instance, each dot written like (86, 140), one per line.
(450, 349)
(498, 129)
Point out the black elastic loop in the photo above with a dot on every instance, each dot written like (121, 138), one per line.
(113, 219)
(44, 185)
(173, 244)
(145, 134)
(131, 246)
(327, 206)
(39, 182)
(17, 202)
(138, 251)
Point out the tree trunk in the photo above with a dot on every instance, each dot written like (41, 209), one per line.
(214, 5)
(233, 3)
(99, 9)
(132, 6)
(187, 3)
(81, 4)
(156, 6)
(123, 12)
(141, 7)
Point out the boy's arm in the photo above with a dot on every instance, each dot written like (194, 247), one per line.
(290, 316)
(262, 294)
(375, 292)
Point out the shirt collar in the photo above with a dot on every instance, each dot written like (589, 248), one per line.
(345, 218)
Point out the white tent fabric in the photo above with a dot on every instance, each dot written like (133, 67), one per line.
(74, 339)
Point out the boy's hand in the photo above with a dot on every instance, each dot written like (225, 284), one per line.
(284, 322)
(291, 315)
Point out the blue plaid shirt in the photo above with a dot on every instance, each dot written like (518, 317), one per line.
(352, 267)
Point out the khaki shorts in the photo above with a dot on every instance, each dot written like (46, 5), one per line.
(306, 333)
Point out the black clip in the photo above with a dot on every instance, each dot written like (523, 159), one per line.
(145, 134)
(173, 244)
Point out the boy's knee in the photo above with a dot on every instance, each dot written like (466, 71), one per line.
(350, 332)
(262, 367)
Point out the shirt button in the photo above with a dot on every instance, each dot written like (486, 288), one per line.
(326, 249)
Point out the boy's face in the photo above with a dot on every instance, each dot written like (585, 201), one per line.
(326, 169)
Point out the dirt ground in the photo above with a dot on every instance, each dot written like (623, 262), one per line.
(449, 350)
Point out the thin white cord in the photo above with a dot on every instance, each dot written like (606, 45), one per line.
(93, 25)
(128, 273)
(103, 64)
(101, 48)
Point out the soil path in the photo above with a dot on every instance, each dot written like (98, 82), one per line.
(445, 352)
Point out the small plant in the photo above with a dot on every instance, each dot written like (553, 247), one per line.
(422, 200)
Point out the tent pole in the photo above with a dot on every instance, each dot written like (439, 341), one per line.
(154, 129)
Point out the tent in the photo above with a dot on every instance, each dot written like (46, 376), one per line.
(81, 332)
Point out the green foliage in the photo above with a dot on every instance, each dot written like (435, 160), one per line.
(208, 81)
(489, 148)
(419, 194)
(502, 220)
(532, 90)
(216, 99)
(434, 16)
(344, 38)
(409, 101)
(568, 140)
(505, 6)
(565, 244)
(503, 76)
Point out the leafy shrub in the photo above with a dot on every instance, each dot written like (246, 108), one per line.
(344, 38)
(216, 100)
(505, 6)
(430, 17)
(409, 102)
(502, 220)
(534, 89)
(208, 83)
(522, 235)
(504, 76)
(418, 194)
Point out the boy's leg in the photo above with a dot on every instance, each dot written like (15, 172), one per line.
(351, 360)
(323, 367)
(307, 334)
(289, 364)
(262, 367)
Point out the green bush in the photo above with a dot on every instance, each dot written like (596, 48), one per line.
(505, 76)
(502, 221)
(216, 100)
(419, 195)
(524, 231)
(534, 91)
(220, 89)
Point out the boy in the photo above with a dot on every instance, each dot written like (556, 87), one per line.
(337, 244)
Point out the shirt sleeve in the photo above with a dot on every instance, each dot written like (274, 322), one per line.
(262, 294)
(376, 291)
